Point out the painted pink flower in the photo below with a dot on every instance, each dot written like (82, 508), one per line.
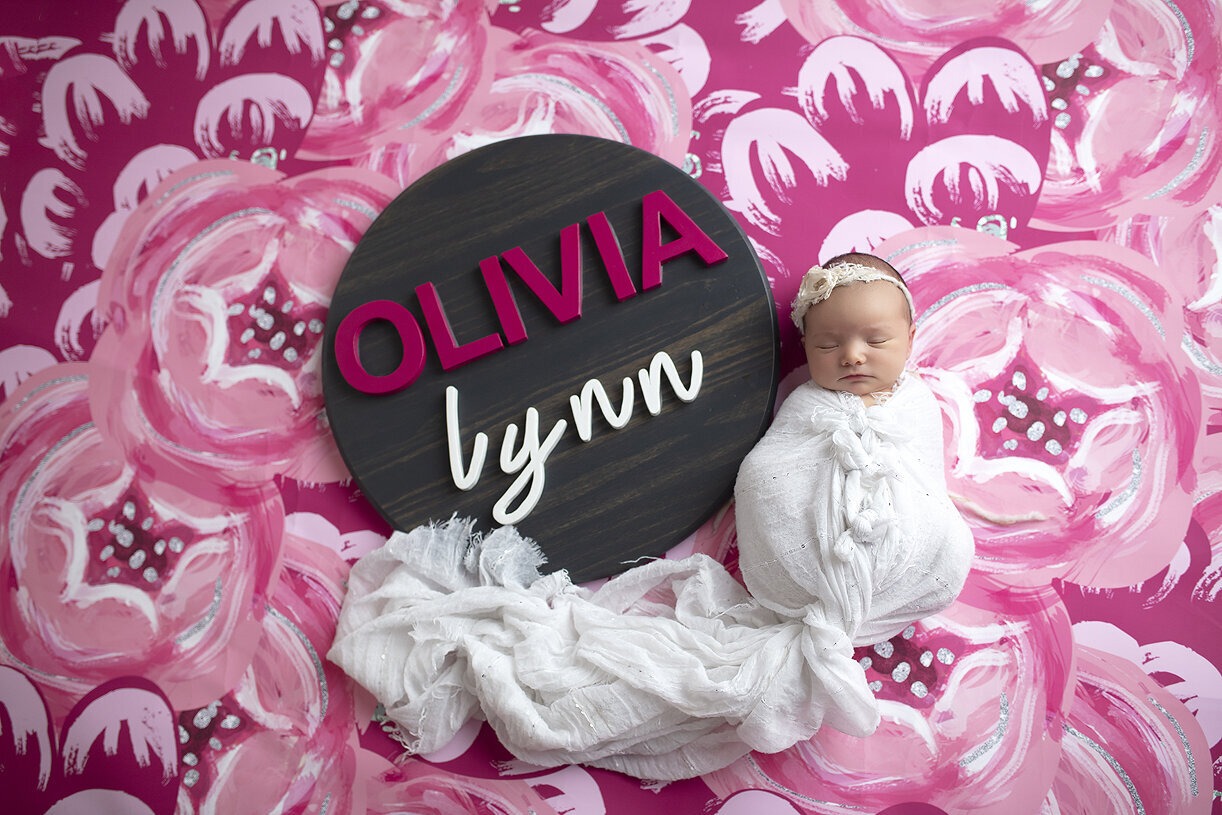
(548, 84)
(865, 156)
(216, 297)
(920, 30)
(109, 572)
(1129, 745)
(1136, 117)
(1071, 420)
(116, 753)
(395, 68)
(283, 737)
(594, 19)
(971, 703)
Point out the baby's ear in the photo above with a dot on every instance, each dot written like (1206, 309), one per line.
(911, 331)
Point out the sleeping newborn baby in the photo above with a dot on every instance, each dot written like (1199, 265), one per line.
(671, 669)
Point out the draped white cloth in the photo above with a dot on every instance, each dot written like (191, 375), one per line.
(671, 669)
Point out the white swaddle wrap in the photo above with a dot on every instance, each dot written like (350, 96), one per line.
(672, 669)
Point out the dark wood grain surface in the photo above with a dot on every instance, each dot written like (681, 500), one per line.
(626, 493)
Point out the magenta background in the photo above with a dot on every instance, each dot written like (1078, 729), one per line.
(177, 524)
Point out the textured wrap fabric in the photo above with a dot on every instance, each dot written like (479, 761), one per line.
(672, 669)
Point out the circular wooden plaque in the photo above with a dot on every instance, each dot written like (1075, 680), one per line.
(625, 493)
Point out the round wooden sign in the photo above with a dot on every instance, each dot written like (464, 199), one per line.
(557, 332)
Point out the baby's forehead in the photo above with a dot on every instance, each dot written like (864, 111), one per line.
(868, 302)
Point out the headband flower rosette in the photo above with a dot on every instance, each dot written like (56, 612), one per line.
(819, 283)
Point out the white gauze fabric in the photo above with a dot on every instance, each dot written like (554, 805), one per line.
(671, 669)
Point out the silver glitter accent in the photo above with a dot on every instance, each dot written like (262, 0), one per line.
(1003, 722)
(286, 307)
(150, 574)
(235, 310)
(884, 649)
(336, 60)
(1036, 431)
(786, 790)
(1112, 762)
(1192, 759)
(335, 44)
(214, 743)
(1062, 120)
(1093, 71)
(1187, 29)
(269, 295)
(247, 335)
(901, 672)
(370, 12)
(183, 738)
(1128, 492)
(315, 326)
(1198, 357)
(1010, 444)
(1049, 85)
(865, 663)
(919, 690)
(25, 487)
(203, 717)
(1059, 104)
(255, 353)
(50, 383)
(129, 511)
(1041, 394)
(191, 180)
(1082, 89)
(159, 547)
(210, 615)
(956, 294)
(176, 546)
(908, 632)
(357, 206)
(203, 233)
(147, 524)
(945, 656)
(1129, 295)
(927, 658)
(326, 804)
(107, 552)
(96, 525)
(137, 559)
(670, 96)
(290, 354)
(309, 646)
(1058, 418)
(265, 320)
(875, 686)
(190, 759)
(1066, 68)
(190, 778)
(1019, 380)
(230, 722)
(1017, 409)
(459, 71)
(113, 571)
(299, 328)
(982, 395)
(346, 10)
(999, 424)
(1053, 446)
(1077, 415)
(277, 341)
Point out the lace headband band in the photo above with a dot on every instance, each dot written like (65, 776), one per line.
(818, 284)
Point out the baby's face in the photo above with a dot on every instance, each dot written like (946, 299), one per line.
(858, 339)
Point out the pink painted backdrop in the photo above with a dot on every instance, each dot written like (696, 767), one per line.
(182, 181)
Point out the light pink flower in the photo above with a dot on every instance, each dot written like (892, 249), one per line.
(971, 704)
(216, 295)
(919, 30)
(548, 84)
(1137, 117)
(113, 573)
(283, 738)
(1129, 745)
(400, 69)
(82, 94)
(117, 751)
(1071, 420)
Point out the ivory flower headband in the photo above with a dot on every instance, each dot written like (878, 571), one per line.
(818, 283)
